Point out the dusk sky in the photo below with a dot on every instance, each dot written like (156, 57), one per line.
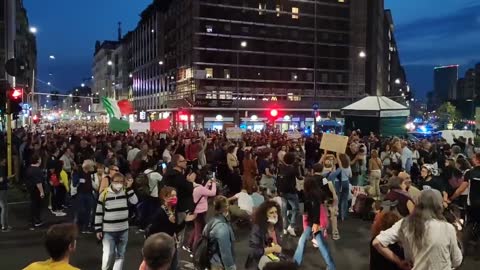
(428, 32)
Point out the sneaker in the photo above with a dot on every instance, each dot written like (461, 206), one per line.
(187, 249)
(291, 231)
(314, 242)
(38, 224)
(6, 229)
(336, 236)
(60, 213)
(50, 207)
(285, 232)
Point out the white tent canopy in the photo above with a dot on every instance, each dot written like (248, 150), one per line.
(379, 106)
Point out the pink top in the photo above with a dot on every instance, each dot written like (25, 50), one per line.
(199, 191)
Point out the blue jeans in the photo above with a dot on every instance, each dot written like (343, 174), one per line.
(343, 189)
(85, 204)
(114, 245)
(292, 199)
(322, 247)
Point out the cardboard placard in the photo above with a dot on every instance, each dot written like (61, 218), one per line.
(234, 133)
(335, 143)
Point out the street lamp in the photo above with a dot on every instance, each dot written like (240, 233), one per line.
(397, 81)
(48, 83)
(52, 57)
(362, 54)
(33, 30)
(243, 44)
(109, 62)
(160, 63)
(82, 85)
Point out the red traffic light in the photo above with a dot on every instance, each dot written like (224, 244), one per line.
(16, 94)
(273, 113)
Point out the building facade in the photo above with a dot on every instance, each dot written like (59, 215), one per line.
(243, 57)
(103, 70)
(445, 82)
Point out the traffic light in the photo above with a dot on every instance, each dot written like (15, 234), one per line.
(273, 114)
(15, 96)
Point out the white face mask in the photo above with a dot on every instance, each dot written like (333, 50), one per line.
(117, 187)
(273, 220)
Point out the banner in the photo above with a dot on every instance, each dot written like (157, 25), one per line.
(335, 143)
(118, 125)
(160, 125)
(294, 135)
(137, 127)
(234, 133)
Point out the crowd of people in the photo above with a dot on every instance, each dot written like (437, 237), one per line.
(187, 189)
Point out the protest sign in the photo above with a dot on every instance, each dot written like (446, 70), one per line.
(333, 142)
(234, 133)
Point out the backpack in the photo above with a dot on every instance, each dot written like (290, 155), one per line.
(203, 251)
(142, 186)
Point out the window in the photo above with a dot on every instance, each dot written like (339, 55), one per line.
(294, 12)
(324, 77)
(226, 73)
(209, 73)
(294, 76)
(339, 78)
(309, 76)
(245, 29)
(261, 8)
(292, 97)
(278, 8)
(227, 27)
(209, 28)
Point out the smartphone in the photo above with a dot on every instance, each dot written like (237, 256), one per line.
(164, 165)
(213, 175)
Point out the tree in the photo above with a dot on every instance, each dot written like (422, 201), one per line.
(448, 114)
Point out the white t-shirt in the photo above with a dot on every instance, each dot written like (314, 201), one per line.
(245, 202)
(166, 156)
(440, 249)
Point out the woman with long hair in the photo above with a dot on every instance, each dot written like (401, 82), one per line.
(265, 237)
(429, 241)
(384, 221)
(315, 212)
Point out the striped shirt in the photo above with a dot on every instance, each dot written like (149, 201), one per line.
(112, 210)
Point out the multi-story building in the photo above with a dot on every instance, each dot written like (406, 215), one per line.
(242, 58)
(103, 70)
(445, 82)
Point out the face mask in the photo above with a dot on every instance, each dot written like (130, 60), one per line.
(172, 201)
(273, 220)
(117, 187)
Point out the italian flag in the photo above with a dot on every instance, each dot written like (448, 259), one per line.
(119, 125)
(117, 108)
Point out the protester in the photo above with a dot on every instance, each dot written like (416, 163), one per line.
(3, 195)
(286, 183)
(375, 168)
(200, 197)
(111, 221)
(384, 221)
(315, 220)
(221, 233)
(61, 243)
(398, 193)
(34, 180)
(158, 252)
(266, 236)
(424, 235)
(85, 201)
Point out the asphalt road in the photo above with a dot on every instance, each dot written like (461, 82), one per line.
(21, 246)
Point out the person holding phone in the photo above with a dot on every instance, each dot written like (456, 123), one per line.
(183, 183)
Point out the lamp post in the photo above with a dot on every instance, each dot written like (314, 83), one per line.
(243, 44)
(361, 55)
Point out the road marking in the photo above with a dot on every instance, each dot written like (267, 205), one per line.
(22, 202)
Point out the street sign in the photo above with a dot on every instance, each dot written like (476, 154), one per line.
(315, 106)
